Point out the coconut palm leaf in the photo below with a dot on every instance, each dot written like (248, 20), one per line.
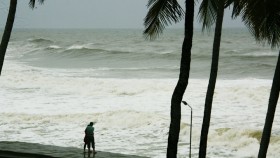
(237, 6)
(208, 13)
(32, 3)
(262, 17)
(161, 14)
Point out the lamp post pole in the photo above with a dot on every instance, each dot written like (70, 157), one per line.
(190, 154)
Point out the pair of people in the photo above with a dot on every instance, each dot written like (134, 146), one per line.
(89, 138)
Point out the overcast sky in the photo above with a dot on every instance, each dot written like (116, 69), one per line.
(88, 14)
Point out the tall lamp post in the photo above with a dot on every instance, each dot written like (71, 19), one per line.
(190, 154)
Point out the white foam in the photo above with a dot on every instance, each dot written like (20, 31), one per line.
(131, 113)
(54, 47)
(79, 46)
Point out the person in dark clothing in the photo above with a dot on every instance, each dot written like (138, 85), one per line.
(89, 138)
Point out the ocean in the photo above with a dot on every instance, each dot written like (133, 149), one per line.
(55, 81)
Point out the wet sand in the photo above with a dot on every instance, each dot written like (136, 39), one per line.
(33, 150)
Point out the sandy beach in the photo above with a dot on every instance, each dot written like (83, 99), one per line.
(33, 150)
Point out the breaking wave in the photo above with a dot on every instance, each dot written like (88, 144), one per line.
(41, 40)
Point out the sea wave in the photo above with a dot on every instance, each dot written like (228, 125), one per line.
(52, 47)
(244, 141)
(254, 53)
(93, 53)
(80, 51)
(40, 40)
(112, 119)
(261, 54)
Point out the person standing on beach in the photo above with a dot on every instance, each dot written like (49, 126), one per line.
(89, 137)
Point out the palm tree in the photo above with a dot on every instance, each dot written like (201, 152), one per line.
(8, 28)
(210, 11)
(263, 19)
(7, 32)
(161, 13)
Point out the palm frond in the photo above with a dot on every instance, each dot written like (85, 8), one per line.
(237, 7)
(32, 3)
(263, 20)
(161, 14)
(208, 13)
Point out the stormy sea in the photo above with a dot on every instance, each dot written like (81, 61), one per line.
(55, 81)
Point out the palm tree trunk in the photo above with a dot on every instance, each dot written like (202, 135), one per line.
(212, 82)
(174, 129)
(7, 32)
(273, 99)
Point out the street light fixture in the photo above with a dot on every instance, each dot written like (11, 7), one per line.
(190, 154)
